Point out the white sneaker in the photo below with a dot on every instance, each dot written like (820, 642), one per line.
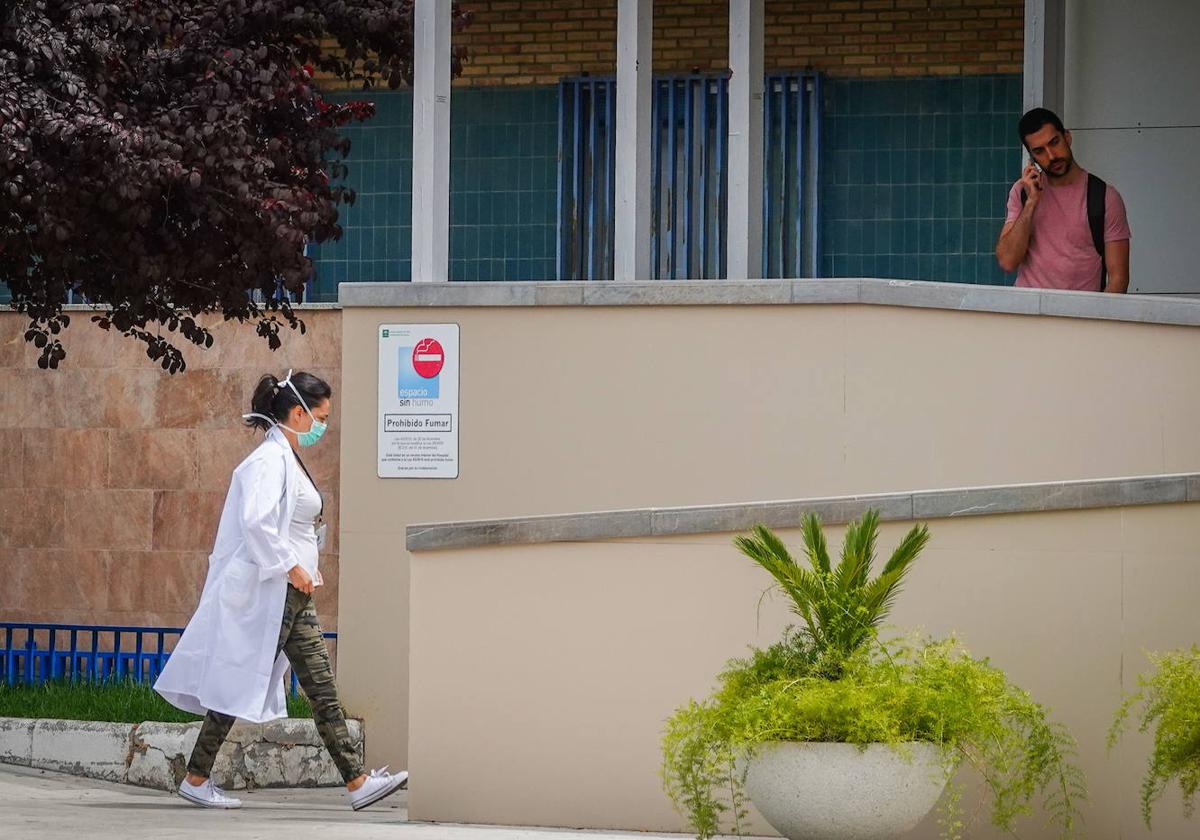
(379, 783)
(207, 795)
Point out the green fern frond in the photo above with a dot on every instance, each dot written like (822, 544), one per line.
(814, 543)
(879, 596)
(1169, 698)
(911, 546)
(769, 552)
(854, 567)
(859, 547)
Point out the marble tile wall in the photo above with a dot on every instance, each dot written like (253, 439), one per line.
(113, 473)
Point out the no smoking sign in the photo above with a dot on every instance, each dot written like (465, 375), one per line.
(428, 358)
(418, 401)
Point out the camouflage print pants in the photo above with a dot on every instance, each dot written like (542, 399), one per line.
(300, 638)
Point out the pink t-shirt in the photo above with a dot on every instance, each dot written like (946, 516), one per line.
(1061, 253)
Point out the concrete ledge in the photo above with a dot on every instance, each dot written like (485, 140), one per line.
(283, 753)
(82, 747)
(837, 510)
(92, 307)
(16, 741)
(1149, 309)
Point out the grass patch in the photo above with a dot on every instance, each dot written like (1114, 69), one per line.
(123, 702)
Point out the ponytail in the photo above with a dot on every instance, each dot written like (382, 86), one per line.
(263, 403)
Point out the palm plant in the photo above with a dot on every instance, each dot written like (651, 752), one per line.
(841, 606)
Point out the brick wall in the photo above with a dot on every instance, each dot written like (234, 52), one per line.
(521, 42)
(113, 473)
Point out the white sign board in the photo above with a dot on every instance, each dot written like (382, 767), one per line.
(418, 401)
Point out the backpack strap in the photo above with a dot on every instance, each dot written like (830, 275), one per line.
(1096, 193)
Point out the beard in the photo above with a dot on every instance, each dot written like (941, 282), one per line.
(1061, 167)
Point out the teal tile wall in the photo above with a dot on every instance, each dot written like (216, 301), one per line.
(504, 184)
(377, 229)
(503, 190)
(915, 174)
(914, 178)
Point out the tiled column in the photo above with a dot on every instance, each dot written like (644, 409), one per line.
(431, 141)
(634, 60)
(745, 139)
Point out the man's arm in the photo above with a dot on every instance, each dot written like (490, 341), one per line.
(1014, 241)
(1013, 244)
(1116, 263)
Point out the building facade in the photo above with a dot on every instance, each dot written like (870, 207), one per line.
(917, 146)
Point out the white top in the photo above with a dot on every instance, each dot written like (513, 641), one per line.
(301, 533)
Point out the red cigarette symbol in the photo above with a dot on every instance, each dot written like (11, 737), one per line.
(428, 358)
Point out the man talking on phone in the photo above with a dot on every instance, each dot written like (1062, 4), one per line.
(1065, 228)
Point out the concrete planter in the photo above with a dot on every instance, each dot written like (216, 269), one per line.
(283, 753)
(817, 791)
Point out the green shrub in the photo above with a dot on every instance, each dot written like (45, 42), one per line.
(833, 679)
(1170, 705)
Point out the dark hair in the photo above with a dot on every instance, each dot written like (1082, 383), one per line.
(274, 401)
(1034, 119)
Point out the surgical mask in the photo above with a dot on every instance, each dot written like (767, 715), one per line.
(303, 438)
(312, 435)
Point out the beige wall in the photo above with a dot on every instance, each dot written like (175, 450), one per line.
(587, 408)
(541, 674)
(113, 473)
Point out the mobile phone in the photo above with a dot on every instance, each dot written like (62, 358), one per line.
(1038, 167)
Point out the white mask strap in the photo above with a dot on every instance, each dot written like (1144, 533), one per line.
(272, 421)
(287, 380)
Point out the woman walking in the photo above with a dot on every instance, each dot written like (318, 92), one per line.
(256, 612)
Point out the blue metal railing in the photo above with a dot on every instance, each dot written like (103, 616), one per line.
(689, 176)
(35, 653)
(791, 168)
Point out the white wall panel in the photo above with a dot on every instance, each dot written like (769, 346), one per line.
(1132, 101)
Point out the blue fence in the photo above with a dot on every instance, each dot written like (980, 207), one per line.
(689, 176)
(35, 653)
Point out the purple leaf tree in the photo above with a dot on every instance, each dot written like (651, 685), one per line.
(168, 158)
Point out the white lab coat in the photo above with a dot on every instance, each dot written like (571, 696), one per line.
(225, 660)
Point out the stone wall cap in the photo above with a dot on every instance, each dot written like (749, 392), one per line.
(1150, 309)
(833, 510)
(98, 308)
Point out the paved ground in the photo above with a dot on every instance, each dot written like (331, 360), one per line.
(50, 806)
